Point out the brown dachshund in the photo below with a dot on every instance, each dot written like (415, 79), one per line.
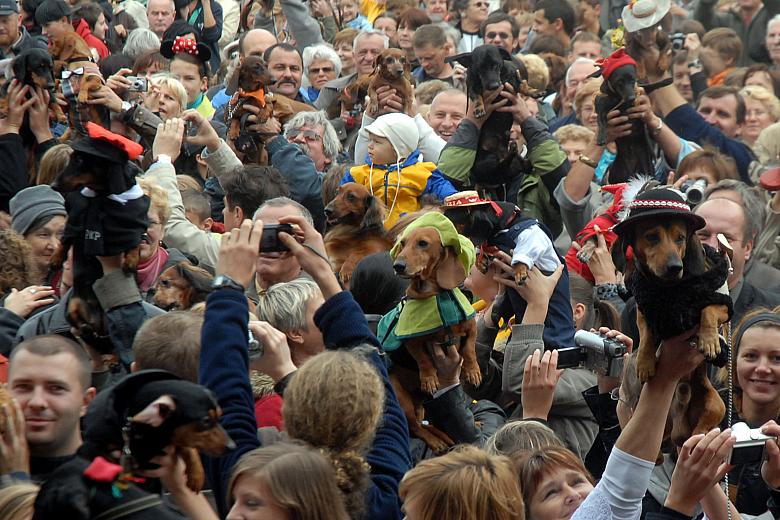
(432, 268)
(392, 69)
(355, 228)
(671, 268)
(181, 286)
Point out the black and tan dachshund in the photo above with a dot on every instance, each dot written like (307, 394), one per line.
(489, 68)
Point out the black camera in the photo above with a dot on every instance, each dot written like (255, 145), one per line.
(694, 190)
(678, 41)
(269, 242)
(596, 352)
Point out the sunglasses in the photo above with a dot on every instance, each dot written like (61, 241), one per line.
(309, 135)
(68, 73)
(323, 70)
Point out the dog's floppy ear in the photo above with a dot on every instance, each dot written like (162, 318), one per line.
(450, 272)
(19, 67)
(619, 253)
(198, 279)
(156, 412)
(232, 83)
(694, 263)
(505, 54)
(374, 216)
(464, 59)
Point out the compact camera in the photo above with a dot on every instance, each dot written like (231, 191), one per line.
(256, 348)
(596, 352)
(678, 41)
(694, 191)
(269, 241)
(138, 84)
(750, 446)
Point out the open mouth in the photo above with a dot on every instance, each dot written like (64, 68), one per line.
(763, 382)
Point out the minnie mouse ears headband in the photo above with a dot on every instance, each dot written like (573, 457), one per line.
(182, 45)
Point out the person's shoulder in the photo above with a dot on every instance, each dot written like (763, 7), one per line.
(758, 297)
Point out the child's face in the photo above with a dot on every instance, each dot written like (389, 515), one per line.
(380, 151)
(204, 224)
(349, 10)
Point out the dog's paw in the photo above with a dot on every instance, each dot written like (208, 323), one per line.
(645, 371)
(709, 345)
(472, 375)
(479, 113)
(429, 383)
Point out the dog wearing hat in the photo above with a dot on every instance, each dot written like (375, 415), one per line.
(678, 284)
(642, 34)
(436, 260)
(495, 226)
(107, 216)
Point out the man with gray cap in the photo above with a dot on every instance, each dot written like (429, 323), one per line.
(38, 213)
(14, 38)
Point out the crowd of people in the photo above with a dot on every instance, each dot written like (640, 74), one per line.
(291, 351)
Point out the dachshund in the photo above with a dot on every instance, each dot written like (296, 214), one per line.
(678, 283)
(35, 68)
(70, 52)
(109, 220)
(488, 68)
(250, 83)
(356, 228)
(391, 68)
(139, 417)
(181, 286)
(434, 270)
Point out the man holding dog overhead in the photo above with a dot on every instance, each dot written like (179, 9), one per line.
(14, 38)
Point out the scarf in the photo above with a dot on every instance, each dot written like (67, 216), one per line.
(149, 270)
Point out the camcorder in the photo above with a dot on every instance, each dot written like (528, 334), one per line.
(750, 446)
(596, 352)
(694, 191)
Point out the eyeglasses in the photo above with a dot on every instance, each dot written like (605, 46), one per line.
(501, 35)
(323, 70)
(309, 135)
(68, 73)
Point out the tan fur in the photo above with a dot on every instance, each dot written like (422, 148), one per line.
(391, 68)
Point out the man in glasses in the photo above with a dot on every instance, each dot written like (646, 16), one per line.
(501, 30)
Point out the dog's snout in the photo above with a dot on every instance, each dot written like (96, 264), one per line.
(674, 267)
(493, 85)
(399, 266)
(328, 210)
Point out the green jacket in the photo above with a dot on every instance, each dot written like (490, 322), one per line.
(535, 181)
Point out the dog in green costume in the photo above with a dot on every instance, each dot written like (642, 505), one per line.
(437, 260)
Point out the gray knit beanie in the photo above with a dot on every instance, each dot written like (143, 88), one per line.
(33, 203)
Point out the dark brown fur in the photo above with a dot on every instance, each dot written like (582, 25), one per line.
(181, 286)
(391, 69)
(666, 249)
(357, 220)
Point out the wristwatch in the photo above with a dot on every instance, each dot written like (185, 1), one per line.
(126, 105)
(223, 281)
(695, 64)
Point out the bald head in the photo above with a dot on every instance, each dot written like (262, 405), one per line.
(255, 42)
(447, 111)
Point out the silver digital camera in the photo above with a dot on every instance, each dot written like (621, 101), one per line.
(750, 446)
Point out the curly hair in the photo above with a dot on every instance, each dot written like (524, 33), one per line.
(338, 415)
(17, 270)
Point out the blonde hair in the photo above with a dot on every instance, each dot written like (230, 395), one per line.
(186, 182)
(17, 500)
(300, 479)
(765, 97)
(158, 199)
(53, 162)
(463, 485)
(538, 73)
(587, 91)
(175, 87)
(334, 403)
(521, 435)
(574, 133)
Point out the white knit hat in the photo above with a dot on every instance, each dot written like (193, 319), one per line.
(400, 130)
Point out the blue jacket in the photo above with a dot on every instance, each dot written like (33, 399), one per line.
(689, 124)
(224, 366)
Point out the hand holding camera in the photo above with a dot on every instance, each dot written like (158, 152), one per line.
(273, 358)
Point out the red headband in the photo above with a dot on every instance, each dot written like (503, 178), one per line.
(612, 62)
(182, 44)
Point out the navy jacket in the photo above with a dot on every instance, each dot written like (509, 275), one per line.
(224, 365)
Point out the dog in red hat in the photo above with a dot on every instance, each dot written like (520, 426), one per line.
(635, 153)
